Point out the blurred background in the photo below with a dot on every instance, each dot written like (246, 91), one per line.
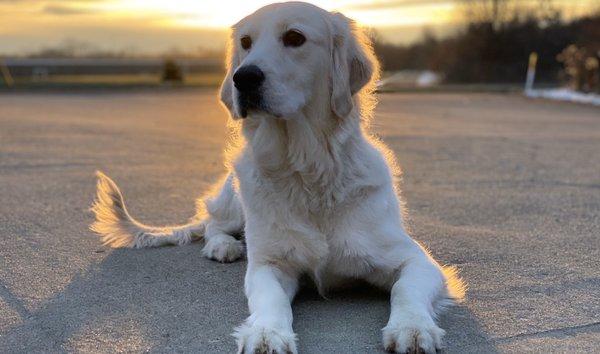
(502, 186)
(423, 44)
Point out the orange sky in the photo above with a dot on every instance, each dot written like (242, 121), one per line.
(159, 25)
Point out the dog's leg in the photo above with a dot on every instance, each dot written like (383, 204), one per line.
(268, 329)
(226, 218)
(419, 287)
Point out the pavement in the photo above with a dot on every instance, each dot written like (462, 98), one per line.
(504, 187)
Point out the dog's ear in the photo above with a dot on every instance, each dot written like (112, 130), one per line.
(353, 63)
(231, 63)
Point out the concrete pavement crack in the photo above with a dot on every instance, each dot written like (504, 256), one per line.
(563, 331)
(550, 332)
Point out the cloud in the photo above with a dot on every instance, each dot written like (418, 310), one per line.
(66, 10)
(52, 1)
(392, 4)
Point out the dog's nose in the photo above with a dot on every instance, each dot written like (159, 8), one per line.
(248, 78)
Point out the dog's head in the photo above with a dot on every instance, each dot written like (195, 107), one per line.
(287, 56)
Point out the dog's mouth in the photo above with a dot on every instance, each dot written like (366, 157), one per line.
(250, 101)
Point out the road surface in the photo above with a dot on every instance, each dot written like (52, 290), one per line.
(505, 188)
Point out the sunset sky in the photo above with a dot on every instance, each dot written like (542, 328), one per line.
(154, 26)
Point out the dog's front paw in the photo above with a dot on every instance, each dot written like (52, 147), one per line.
(255, 339)
(413, 335)
(223, 248)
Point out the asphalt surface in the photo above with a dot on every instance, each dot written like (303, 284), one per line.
(505, 188)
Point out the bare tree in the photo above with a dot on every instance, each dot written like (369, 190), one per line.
(500, 12)
(485, 11)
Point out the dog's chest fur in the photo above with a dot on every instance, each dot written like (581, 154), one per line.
(302, 186)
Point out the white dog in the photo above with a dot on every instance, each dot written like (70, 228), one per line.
(311, 190)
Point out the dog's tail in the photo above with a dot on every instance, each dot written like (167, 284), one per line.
(118, 229)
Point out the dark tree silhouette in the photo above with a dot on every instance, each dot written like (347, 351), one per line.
(495, 44)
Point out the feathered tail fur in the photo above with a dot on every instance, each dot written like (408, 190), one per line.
(118, 229)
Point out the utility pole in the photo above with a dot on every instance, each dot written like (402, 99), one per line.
(531, 72)
(8, 79)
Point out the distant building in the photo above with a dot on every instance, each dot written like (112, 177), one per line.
(37, 68)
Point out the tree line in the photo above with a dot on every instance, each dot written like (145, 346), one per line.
(495, 43)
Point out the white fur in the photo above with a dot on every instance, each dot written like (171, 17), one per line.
(312, 191)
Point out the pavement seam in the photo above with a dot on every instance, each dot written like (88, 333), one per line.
(569, 330)
(565, 331)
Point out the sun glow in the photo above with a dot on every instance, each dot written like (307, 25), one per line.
(151, 26)
(224, 13)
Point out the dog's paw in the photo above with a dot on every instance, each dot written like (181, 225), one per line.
(223, 248)
(415, 335)
(254, 339)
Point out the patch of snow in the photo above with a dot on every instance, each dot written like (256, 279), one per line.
(565, 94)
(428, 78)
(411, 78)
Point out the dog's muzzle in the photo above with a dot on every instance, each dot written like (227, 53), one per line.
(248, 81)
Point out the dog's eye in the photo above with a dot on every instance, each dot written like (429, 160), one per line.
(246, 42)
(293, 38)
